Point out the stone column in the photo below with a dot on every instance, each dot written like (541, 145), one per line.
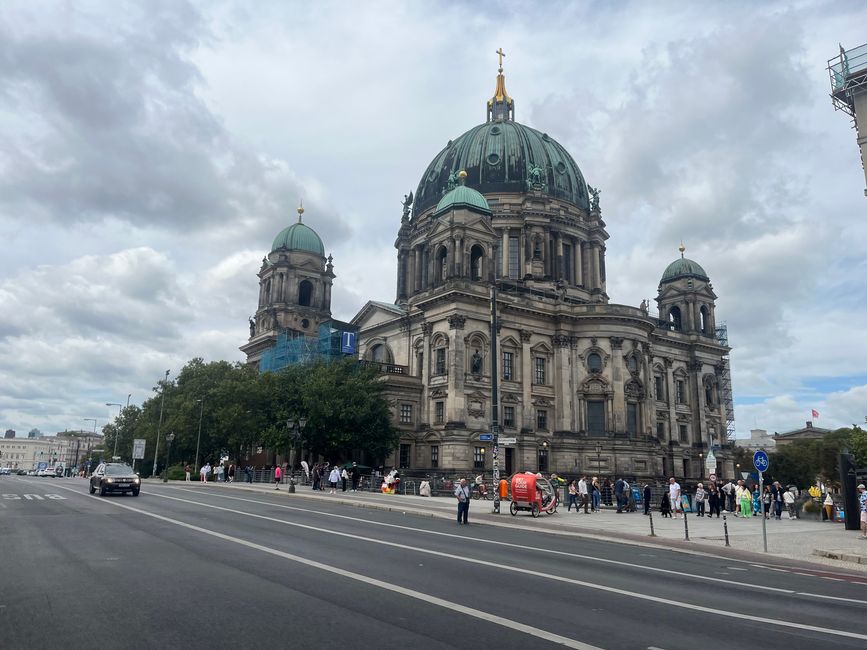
(426, 330)
(401, 274)
(558, 243)
(563, 393)
(526, 381)
(618, 377)
(579, 262)
(455, 404)
(504, 253)
(673, 433)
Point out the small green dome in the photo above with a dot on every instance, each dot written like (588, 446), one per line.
(684, 268)
(299, 237)
(463, 197)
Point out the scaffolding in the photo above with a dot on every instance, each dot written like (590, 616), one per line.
(848, 73)
(722, 337)
(335, 339)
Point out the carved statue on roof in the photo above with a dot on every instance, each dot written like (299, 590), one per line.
(535, 177)
(407, 205)
(252, 327)
(594, 197)
(453, 182)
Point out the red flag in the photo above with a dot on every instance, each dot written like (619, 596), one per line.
(815, 413)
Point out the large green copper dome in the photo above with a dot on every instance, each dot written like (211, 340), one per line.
(684, 268)
(299, 237)
(497, 157)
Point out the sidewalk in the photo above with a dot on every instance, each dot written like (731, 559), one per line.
(800, 540)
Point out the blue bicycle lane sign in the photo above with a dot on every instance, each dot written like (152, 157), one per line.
(760, 461)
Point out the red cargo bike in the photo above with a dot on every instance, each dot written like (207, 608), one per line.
(532, 492)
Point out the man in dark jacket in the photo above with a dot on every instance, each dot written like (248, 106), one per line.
(647, 496)
(618, 494)
(355, 474)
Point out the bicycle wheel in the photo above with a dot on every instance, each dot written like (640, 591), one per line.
(513, 508)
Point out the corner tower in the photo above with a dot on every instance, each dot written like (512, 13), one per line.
(295, 282)
(686, 298)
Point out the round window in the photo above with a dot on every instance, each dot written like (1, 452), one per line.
(493, 159)
(305, 323)
(561, 168)
(495, 130)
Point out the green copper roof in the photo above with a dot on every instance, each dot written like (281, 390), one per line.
(463, 197)
(299, 237)
(682, 268)
(497, 157)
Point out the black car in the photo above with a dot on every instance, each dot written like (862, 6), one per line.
(115, 477)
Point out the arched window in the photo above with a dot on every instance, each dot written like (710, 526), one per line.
(594, 362)
(476, 257)
(442, 269)
(305, 293)
(378, 353)
(632, 363)
(674, 319)
(703, 318)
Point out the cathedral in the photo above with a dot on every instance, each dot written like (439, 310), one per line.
(503, 213)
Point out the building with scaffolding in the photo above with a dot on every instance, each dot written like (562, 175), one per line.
(293, 323)
(848, 75)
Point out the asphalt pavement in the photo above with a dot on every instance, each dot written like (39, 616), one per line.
(214, 567)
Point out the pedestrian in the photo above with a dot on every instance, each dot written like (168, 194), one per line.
(745, 497)
(278, 477)
(187, 471)
(700, 496)
(232, 473)
(618, 494)
(606, 492)
(317, 477)
(789, 502)
(647, 496)
(462, 494)
(766, 500)
(583, 495)
(665, 504)
(333, 479)
(713, 500)
(220, 471)
(596, 494)
(344, 477)
(757, 501)
(728, 494)
(777, 494)
(356, 474)
(205, 473)
(862, 501)
(573, 497)
(248, 472)
(674, 497)
(828, 506)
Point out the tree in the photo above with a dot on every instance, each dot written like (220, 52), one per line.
(858, 445)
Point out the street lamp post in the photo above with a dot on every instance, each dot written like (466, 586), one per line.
(169, 439)
(160, 424)
(701, 464)
(117, 426)
(199, 437)
(297, 429)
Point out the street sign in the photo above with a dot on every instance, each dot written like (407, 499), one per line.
(508, 441)
(710, 462)
(138, 448)
(486, 437)
(760, 461)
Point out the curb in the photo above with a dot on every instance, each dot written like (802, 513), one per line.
(842, 556)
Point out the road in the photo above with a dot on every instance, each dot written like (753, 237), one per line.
(204, 566)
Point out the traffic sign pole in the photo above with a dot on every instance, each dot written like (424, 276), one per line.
(760, 462)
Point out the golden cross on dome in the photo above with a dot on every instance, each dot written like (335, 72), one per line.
(501, 54)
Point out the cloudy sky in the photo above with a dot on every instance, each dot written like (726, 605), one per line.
(150, 151)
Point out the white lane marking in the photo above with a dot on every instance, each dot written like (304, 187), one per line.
(836, 579)
(801, 573)
(537, 574)
(578, 556)
(411, 593)
(736, 568)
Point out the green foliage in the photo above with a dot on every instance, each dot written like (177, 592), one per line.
(176, 473)
(239, 409)
(858, 445)
(803, 462)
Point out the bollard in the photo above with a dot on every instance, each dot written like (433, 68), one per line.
(726, 530)
(650, 514)
(685, 527)
(291, 488)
